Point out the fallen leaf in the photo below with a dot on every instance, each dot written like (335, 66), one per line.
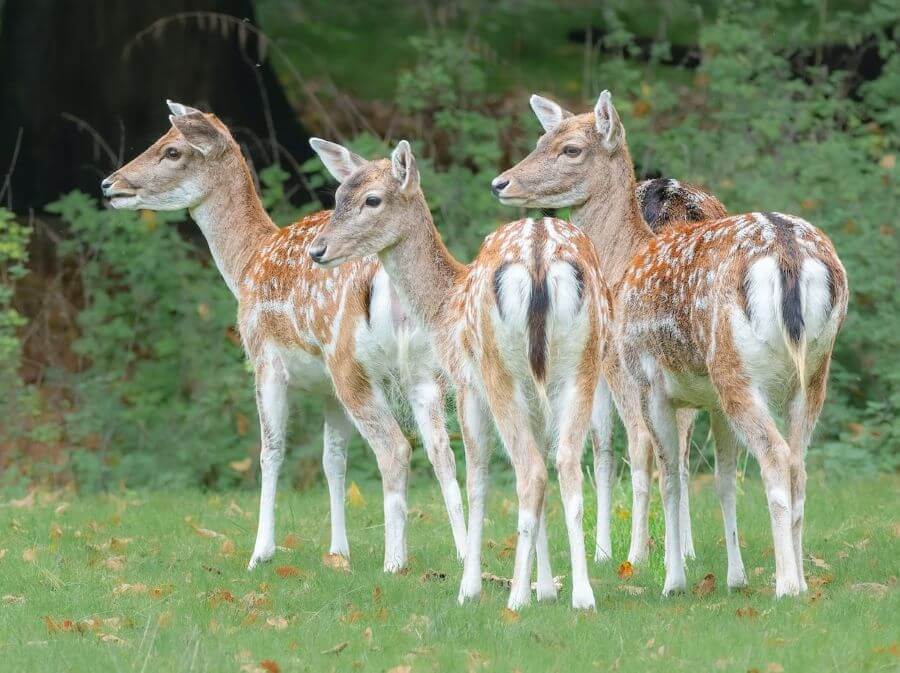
(819, 563)
(433, 575)
(623, 513)
(368, 635)
(748, 612)
(774, 668)
(399, 669)
(631, 589)
(508, 616)
(30, 555)
(288, 571)
(873, 588)
(61, 508)
(24, 503)
(241, 425)
(161, 590)
(817, 581)
(241, 466)
(291, 541)
(352, 616)
(705, 586)
(377, 593)
(2, 554)
(336, 562)
(337, 649)
(164, 618)
(278, 623)
(114, 563)
(235, 510)
(269, 666)
(220, 596)
(227, 548)
(11, 600)
(206, 532)
(355, 497)
(626, 570)
(893, 648)
(126, 588)
(888, 161)
(110, 638)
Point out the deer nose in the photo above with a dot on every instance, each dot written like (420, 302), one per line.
(498, 185)
(317, 252)
(107, 183)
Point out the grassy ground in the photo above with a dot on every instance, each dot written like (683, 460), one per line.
(157, 582)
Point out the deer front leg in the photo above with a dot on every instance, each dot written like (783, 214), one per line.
(427, 401)
(338, 431)
(546, 587)
(271, 404)
(604, 469)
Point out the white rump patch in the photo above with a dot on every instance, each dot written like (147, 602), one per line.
(514, 295)
(815, 293)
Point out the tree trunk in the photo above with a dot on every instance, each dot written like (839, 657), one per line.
(83, 94)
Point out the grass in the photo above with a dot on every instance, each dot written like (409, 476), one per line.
(190, 605)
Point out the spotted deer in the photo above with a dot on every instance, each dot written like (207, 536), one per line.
(338, 334)
(737, 315)
(519, 332)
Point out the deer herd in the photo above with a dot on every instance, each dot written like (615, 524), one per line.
(649, 300)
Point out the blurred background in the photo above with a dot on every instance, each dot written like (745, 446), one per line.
(119, 361)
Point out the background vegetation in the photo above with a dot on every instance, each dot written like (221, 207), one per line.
(118, 359)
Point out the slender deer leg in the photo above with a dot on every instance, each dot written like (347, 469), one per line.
(338, 431)
(474, 421)
(368, 408)
(546, 587)
(271, 403)
(574, 417)
(427, 402)
(685, 419)
(726, 471)
(604, 468)
(659, 415)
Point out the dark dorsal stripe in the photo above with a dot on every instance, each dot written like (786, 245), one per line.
(789, 264)
(538, 305)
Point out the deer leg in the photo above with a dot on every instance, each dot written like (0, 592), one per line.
(685, 420)
(338, 431)
(427, 401)
(271, 403)
(546, 587)
(726, 472)
(604, 468)
(475, 424)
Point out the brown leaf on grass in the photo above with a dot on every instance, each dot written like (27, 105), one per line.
(355, 497)
(9, 599)
(368, 635)
(399, 669)
(705, 586)
(893, 649)
(631, 589)
(377, 593)
(164, 619)
(336, 562)
(508, 616)
(220, 596)
(126, 588)
(161, 590)
(352, 616)
(773, 667)
(241, 466)
(504, 582)
(227, 548)
(290, 541)
(61, 508)
(207, 532)
(241, 426)
(433, 576)
(24, 503)
(110, 638)
(748, 612)
(235, 510)
(337, 649)
(288, 571)
(30, 555)
(114, 563)
(818, 581)
(626, 570)
(875, 589)
(819, 563)
(2, 554)
(269, 666)
(277, 622)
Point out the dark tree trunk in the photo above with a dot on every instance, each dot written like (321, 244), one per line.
(73, 72)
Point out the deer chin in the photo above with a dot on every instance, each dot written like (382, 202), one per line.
(125, 201)
(331, 263)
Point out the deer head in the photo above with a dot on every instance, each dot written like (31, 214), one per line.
(576, 157)
(376, 202)
(177, 171)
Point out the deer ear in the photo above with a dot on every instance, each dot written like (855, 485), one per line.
(199, 132)
(180, 110)
(610, 128)
(403, 166)
(339, 161)
(549, 114)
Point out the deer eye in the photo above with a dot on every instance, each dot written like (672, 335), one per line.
(172, 153)
(373, 201)
(571, 151)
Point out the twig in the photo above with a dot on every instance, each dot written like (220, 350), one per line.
(99, 142)
(7, 181)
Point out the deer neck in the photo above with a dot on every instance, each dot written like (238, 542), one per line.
(613, 220)
(234, 223)
(422, 270)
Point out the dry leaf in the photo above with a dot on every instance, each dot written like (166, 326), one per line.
(508, 616)
(278, 623)
(631, 589)
(2, 554)
(433, 575)
(774, 668)
(748, 612)
(164, 618)
(115, 563)
(337, 649)
(241, 426)
(10, 599)
(206, 532)
(819, 563)
(817, 581)
(126, 588)
(623, 513)
(241, 466)
(336, 562)
(61, 508)
(24, 503)
(626, 570)
(220, 596)
(30, 555)
(161, 590)
(368, 635)
(235, 510)
(110, 638)
(288, 571)
(227, 548)
(888, 161)
(873, 588)
(376, 593)
(352, 616)
(355, 497)
(291, 541)
(269, 666)
(400, 669)
(705, 586)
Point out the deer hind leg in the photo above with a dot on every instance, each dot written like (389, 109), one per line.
(803, 413)
(685, 420)
(427, 400)
(369, 410)
(475, 424)
(640, 457)
(271, 403)
(726, 473)
(604, 468)
(546, 587)
(573, 418)
(659, 416)
(338, 431)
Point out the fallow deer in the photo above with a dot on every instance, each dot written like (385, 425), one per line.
(736, 315)
(519, 332)
(339, 333)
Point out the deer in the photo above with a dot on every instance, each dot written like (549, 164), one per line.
(519, 332)
(339, 335)
(735, 315)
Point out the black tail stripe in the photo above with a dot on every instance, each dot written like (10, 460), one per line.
(538, 305)
(789, 264)
(498, 276)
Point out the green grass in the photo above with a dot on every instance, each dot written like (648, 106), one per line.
(197, 612)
